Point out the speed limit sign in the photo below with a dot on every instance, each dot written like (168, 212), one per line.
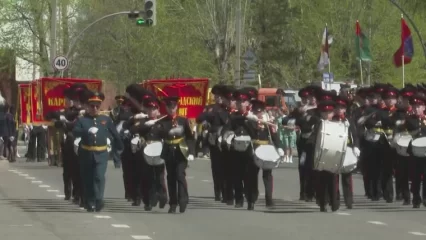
(60, 63)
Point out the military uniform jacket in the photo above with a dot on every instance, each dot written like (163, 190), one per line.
(306, 122)
(155, 132)
(94, 145)
(238, 124)
(217, 116)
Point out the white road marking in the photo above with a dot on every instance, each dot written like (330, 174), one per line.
(51, 190)
(23, 175)
(81, 208)
(120, 225)
(262, 194)
(102, 217)
(206, 180)
(189, 177)
(141, 237)
(417, 233)
(12, 170)
(30, 178)
(377, 223)
(312, 206)
(60, 196)
(44, 186)
(36, 182)
(342, 213)
(18, 172)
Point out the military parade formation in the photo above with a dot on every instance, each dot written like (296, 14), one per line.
(377, 130)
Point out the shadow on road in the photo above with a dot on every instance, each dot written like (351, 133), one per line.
(115, 205)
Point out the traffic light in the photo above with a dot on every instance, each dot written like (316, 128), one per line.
(140, 22)
(150, 12)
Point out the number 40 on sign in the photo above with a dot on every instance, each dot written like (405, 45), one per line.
(60, 63)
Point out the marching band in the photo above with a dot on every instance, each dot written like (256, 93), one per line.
(378, 130)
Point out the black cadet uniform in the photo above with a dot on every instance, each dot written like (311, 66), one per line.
(305, 121)
(261, 134)
(178, 143)
(327, 188)
(353, 142)
(92, 153)
(154, 176)
(416, 126)
(403, 164)
(239, 160)
(217, 116)
(374, 149)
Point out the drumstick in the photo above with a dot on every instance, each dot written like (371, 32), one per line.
(158, 119)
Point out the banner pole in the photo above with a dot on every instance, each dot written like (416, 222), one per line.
(403, 72)
(360, 70)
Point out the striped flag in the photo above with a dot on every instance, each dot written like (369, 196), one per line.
(324, 59)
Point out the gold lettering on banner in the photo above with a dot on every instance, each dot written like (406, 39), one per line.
(55, 102)
(182, 112)
(191, 101)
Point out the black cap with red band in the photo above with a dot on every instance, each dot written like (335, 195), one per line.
(341, 101)
(408, 91)
(326, 106)
(418, 99)
(325, 95)
(390, 92)
(242, 95)
(151, 103)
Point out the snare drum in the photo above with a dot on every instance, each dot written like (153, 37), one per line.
(402, 144)
(76, 145)
(241, 143)
(266, 157)
(349, 162)
(418, 146)
(152, 153)
(331, 146)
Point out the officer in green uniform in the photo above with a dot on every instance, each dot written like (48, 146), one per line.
(95, 130)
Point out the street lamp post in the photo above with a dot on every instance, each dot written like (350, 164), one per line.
(79, 35)
(412, 23)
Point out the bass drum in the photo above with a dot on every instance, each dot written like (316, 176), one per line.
(152, 153)
(76, 145)
(330, 147)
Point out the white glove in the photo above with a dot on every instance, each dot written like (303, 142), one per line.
(11, 139)
(357, 152)
(140, 116)
(150, 123)
(82, 112)
(252, 117)
(281, 152)
(191, 157)
(62, 118)
(126, 132)
(44, 127)
(93, 130)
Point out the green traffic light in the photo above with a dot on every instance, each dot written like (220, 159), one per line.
(140, 21)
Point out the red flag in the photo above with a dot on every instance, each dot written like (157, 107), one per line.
(406, 50)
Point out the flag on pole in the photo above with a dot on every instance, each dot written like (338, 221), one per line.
(324, 59)
(406, 50)
(362, 44)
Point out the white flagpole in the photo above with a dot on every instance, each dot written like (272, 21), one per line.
(360, 69)
(328, 55)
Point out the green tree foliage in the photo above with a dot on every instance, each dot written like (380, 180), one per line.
(196, 38)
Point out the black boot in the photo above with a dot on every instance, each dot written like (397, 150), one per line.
(172, 209)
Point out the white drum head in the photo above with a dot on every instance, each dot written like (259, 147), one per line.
(419, 142)
(153, 149)
(404, 141)
(267, 153)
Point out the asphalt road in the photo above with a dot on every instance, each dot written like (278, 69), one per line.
(32, 207)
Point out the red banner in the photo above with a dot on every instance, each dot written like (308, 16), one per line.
(47, 94)
(24, 91)
(192, 93)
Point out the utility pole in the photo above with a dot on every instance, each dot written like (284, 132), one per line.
(53, 20)
(238, 45)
